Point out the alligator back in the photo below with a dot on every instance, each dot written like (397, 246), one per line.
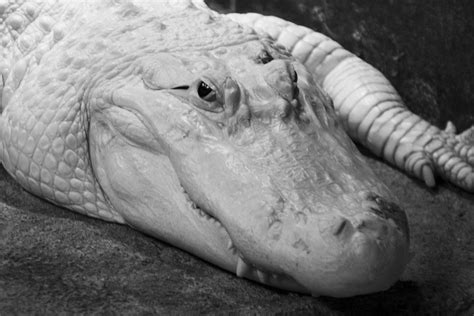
(50, 54)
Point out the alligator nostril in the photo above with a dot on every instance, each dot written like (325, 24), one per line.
(371, 226)
(296, 92)
(388, 210)
(342, 227)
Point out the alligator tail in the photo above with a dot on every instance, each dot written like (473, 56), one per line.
(371, 110)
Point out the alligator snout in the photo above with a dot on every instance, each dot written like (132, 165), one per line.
(322, 249)
(373, 221)
(345, 252)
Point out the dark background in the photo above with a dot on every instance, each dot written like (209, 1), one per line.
(55, 261)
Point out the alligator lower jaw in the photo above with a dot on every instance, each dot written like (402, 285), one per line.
(242, 268)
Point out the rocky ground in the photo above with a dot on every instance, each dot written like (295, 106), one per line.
(54, 261)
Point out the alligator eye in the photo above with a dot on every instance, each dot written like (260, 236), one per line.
(295, 76)
(205, 92)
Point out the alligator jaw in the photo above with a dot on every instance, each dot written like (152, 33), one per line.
(242, 268)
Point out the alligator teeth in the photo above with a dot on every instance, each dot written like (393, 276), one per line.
(262, 276)
(242, 268)
(231, 247)
(200, 211)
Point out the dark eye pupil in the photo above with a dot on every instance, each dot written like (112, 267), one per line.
(204, 90)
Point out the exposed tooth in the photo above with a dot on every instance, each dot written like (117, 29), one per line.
(230, 244)
(242, 268)
(262, 276)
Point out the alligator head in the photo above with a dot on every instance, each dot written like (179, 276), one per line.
(232, 152)
(235, 155)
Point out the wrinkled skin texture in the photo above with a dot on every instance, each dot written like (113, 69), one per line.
(250, 166)
(199, 138)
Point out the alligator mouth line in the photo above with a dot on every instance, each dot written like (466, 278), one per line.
(201, 212)
(243, 269)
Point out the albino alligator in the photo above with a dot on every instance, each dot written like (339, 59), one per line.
(202, 130)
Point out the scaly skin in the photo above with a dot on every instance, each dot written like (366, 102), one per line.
(370, 109)
(201, 134)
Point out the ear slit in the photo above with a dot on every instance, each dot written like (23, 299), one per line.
(153, 86)
(184, 87)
